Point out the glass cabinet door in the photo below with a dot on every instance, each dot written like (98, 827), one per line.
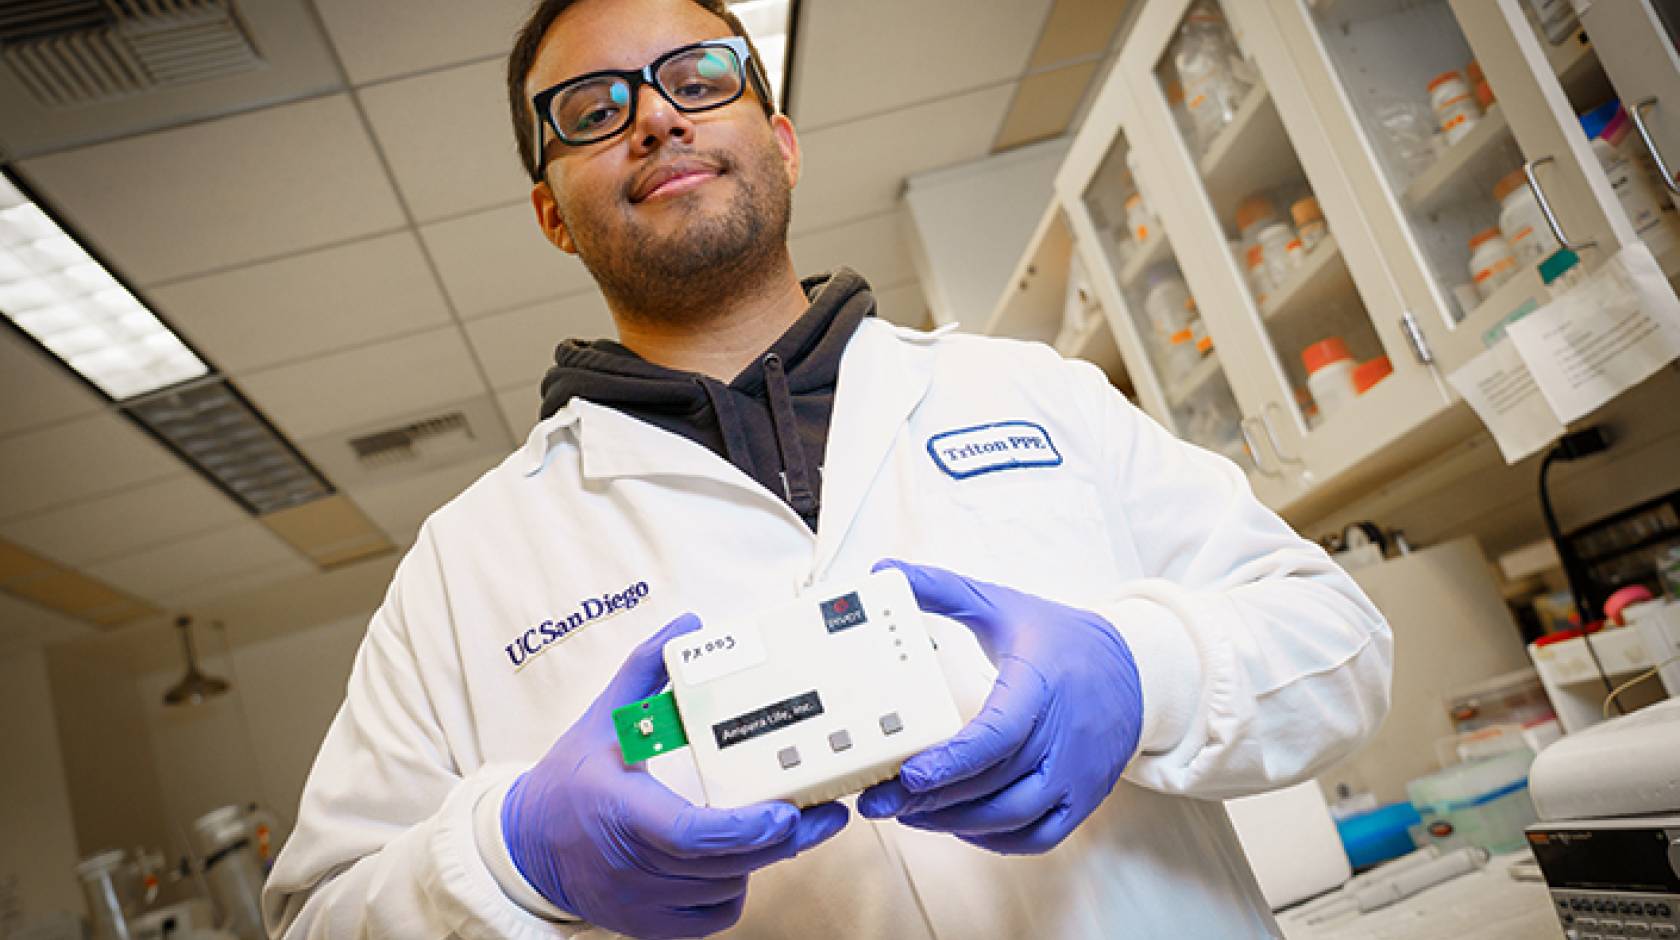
(1453, 105)
(1646, 76)
(1188, 389)
(1289, 279)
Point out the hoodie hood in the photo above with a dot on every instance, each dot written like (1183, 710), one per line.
(771, 421)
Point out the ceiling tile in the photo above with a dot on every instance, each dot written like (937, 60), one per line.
(161, 572)
(400, 507)
(1077, 28)
(296, 63)
(35, 389)
(366, 384)
(904, 305)
(376, 41)
(76, 460)
(308, 304)
(108, 526)
(874, 247)
(447, 139)
(518, 347)
(228, 191)
(497, 260)
(945, 47)
(520, 406)
(858, 169)
(1044, 105)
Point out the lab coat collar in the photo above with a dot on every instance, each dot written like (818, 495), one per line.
(884, 374)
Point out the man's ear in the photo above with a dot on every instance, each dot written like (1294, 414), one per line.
(549, 220)
(787, 141)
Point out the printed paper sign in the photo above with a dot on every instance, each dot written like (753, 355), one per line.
(1502, 392)
(1598, 340)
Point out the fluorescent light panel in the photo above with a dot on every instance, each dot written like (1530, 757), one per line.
(56, 292)
(211, 425)
(767, 23)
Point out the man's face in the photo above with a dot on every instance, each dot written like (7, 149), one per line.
(677, 205)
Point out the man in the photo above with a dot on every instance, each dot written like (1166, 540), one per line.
(750, 436)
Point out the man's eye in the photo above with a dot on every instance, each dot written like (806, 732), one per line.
(595, 118)
(694, 90)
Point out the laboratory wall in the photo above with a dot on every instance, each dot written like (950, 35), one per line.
(110, 772)
(287, 656)
(37, 834)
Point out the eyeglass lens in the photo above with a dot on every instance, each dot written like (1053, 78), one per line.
(694, 80)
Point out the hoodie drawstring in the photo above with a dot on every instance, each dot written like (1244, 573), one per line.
(796, 474)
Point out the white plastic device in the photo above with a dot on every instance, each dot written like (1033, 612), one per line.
(813, 700)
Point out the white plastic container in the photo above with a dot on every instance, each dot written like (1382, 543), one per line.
(1521, 221)
(1491, 262)
(1454, 105)
(1329, 375)
(1309, 224)
(1274, 242)
(1640, 192)
(1140, 218)
(1556, 18)
(1168, 306)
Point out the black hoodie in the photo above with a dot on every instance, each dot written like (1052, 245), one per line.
(771, 420)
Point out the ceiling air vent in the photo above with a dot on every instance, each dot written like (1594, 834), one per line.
(71, 52)
(416, 440)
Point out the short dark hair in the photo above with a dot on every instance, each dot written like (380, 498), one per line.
(529, 38)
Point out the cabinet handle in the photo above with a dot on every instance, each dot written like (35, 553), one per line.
(1546, 207)
(1266, 422)
(1254, 450)
(1638, 115)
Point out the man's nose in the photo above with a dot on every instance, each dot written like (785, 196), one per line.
(658, 123)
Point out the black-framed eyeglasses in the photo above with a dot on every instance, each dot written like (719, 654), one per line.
(595, 106)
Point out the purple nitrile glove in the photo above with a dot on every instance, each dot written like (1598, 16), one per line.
(1056, 731)
(612, 845)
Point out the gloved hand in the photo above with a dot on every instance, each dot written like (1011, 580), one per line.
(612, 845)
(1056, 731)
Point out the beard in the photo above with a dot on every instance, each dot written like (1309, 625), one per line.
(684, 277)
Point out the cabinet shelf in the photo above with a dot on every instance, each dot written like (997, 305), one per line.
(1324, 279)
(1249, 155)
(1179, 392)
(1153, 252)
(1444, 178)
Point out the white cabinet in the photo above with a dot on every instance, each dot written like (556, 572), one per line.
(1220, 113)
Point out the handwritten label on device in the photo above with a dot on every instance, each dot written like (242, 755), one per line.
(713, 654)
(1006, 445)
(767, 719)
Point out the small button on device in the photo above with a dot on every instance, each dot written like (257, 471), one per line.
(891, 723)
(789, 756)
(840, 741)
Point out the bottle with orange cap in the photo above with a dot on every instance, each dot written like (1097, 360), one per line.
(1329, 374)
(1454, 105)
(1491, 261)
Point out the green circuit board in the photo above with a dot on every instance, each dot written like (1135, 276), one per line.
(649, 727)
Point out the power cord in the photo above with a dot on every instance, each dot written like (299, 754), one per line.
(1647, 674)
(1574, 446)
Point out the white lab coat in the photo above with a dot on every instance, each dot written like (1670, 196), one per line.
(1261, 661)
